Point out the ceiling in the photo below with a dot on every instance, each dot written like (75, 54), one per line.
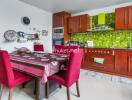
(72, 6)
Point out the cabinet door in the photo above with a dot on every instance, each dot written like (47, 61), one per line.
(74, 24)
(130, 17)
(121, 18)
(84, 23)
(57, 20)
(107, 65)
(99, 59)
(121, 61)
(130, 64)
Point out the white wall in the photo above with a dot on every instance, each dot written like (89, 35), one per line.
(11, 12)
(105, 10)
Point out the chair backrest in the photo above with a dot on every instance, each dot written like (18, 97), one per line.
(73, 71)
(69, 49)
(6, 71)
(59, 49)
(38, 47)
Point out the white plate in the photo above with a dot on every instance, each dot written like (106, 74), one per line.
(64, 56)
(26, 56)
(53, 57)
(31, 58)
(60, 58)
(16, 55)
(44, 59)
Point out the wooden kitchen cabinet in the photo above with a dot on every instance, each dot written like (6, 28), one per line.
(84, 22)
(78, 24)
(123, 18)
(129, 58)
(60, 19)
(130, 17)
(74, 24)
(130, 64)
(116, 61)
(121, 62)
(106, 54)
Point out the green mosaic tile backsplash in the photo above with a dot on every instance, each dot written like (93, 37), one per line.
(106, 39)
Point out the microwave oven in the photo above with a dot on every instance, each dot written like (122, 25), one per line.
(58, 33)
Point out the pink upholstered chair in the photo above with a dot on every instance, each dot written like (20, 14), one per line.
(38, 47)
(9, 77)
(68, 77)
(69, 49)
(59, 49)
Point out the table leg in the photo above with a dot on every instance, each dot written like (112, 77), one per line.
(40, 89)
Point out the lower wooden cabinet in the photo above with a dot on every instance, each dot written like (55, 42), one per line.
(110, 61)
(100, 59)
(121, 62)
(129, 58)
(130, 64)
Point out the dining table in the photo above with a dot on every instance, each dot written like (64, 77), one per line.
(39, 65)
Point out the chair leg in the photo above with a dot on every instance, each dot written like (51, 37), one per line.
(60, 86)
(23, 85)
(10, 94)
(77, 87)
(68, 94)
(47, 90)
(1, 91)
(35, 89)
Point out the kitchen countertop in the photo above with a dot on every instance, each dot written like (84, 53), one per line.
(109, 48)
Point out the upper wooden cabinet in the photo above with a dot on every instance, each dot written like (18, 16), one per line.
(59, 19)
(130, 17)
(78, 24)
(73, 24)
(123, 18)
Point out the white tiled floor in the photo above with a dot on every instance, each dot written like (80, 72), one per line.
(91, 88)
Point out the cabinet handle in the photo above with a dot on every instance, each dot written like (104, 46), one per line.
(113, 52)
(129, 16)
(129, 63)
(85, 51)
(125, 18)
(80, 24)
(62, 21)
(97, 66)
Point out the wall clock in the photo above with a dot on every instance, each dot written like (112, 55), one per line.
(26, 20)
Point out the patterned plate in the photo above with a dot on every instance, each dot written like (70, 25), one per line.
(10, 35)
(16, 55)
(64, 56)
(39, 55)
(44, 59)
(31, 58)
(53, 57)
(26, 56)
(60, 58)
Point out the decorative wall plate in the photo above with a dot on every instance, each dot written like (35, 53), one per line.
(10, 35)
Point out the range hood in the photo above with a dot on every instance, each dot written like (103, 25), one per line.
(101, 19)
(102, 26)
